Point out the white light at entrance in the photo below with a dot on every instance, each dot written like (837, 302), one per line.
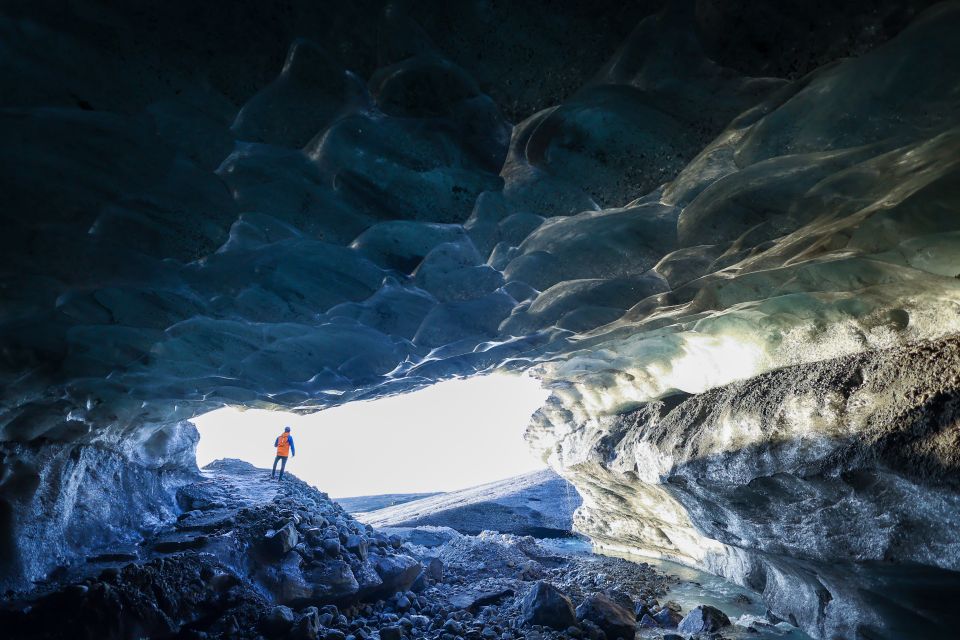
(449, 436)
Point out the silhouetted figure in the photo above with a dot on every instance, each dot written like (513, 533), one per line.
(284, 445)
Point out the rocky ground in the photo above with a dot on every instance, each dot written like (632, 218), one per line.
(254, 558)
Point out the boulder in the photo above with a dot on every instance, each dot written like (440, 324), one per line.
(292, 586)
(641, 609)
(367, 577)
(357, 545)
(308, 626)
(620, 598)
(420, 622)
(284, 539)
(614, 620)
(397, 572)
(547, 606)
(667, 618)
(331, 546)
(390, 633)
(647, 622)
(277, 621)
(453, 627)
(420, 584)
(474, 600)
(591, 631)
(304, 551)
(435, 569)
(703, 619)
(332, 580)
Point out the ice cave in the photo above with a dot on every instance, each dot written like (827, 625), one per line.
(722, 237)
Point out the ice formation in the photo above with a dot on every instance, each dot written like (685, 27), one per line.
(732, 253)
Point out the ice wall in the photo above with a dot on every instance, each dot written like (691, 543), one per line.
(808, 484)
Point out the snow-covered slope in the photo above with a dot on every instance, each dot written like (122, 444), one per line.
(539, 503)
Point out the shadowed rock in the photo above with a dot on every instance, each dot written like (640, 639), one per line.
(614, 620)
(547, 606)
(703, 619)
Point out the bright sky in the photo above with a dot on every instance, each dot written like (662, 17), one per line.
(453, 435)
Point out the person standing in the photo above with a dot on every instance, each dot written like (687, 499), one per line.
(284, 445)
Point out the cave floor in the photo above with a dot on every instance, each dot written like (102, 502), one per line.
(216, 572)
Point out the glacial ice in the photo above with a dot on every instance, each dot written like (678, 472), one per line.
(685, 255)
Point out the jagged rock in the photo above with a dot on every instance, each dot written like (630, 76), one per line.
(397, 572)
(390, 633)
(368, 580)
(304, 551)
(333, 581)
(703, 619)
(331, 546)
(179, 541)
(547, 606)
(474, 600)
(357, 545)
(420, 621)
(667, 618)
(434, 569)
(620, 598)
(609, 616)
(420, 583)
(293, 586)
(277, 621)
(592, 631)
(453, 626)
(307, 626)
(285, 539)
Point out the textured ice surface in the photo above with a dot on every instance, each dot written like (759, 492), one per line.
(226, 218)
(850, 460)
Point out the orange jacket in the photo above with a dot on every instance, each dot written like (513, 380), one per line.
(283, 443)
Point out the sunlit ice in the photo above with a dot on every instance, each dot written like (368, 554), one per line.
(452, 435)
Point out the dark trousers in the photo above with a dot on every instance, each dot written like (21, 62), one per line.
(283, 465)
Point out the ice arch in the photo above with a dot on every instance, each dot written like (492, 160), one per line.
(715, 263)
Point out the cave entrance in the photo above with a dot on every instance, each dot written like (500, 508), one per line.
(449, 436)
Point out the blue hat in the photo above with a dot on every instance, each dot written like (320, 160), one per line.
(286, 428)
